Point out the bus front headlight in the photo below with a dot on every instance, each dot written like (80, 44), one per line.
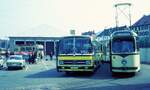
(61, 62)
(88, 62)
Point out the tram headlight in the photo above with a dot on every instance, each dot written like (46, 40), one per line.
(88, 62)
(61, 62)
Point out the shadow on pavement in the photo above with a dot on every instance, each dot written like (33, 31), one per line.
(102, 73)
(13, 69)
(115, 87)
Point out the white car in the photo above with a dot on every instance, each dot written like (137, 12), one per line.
(2, 61)
(16, 61)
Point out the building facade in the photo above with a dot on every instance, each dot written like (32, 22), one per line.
(50, 43)
(142, 28)
(4, 43)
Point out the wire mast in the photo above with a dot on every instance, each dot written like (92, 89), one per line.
(120, 8)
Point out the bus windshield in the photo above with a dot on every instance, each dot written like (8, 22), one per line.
(123, 46)
(83, 45)
(74, 45)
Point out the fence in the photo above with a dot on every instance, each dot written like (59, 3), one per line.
(145, 55)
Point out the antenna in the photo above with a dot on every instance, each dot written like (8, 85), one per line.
(121, 7)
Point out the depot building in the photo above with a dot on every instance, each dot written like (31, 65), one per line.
(50, 43)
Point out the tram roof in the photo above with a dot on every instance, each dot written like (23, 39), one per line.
(124, 33)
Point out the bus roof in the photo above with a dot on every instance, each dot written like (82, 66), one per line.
(76, 37)
(124, 33)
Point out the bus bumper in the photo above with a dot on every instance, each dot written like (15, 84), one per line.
(75, 68)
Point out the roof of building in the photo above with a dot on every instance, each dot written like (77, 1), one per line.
(109, 31)
(34, 38)
(31, 37)
(145, 20)
(90, 33)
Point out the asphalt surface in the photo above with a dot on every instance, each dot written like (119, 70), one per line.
(43, 76)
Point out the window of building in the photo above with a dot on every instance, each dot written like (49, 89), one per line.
(19, 43)
(29, 42)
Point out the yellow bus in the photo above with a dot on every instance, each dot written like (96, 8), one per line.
(77, 53)
(124, 52)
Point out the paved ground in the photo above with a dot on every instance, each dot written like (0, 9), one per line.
(43, 76)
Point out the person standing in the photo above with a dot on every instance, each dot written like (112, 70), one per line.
(7, 54)
(30, 58)
(51, 55)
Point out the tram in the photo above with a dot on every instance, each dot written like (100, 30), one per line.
(124, 52)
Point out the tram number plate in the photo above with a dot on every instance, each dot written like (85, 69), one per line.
(74, 67)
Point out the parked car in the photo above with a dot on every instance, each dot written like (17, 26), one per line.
(2, 61)
(25, 55)
(16, 61)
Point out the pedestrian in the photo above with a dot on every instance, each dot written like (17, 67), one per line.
(33, 58)
(7, 54)
(51, 55)
(30, 58)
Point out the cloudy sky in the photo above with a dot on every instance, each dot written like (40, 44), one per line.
(58, 17)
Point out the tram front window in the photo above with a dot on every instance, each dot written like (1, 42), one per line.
(122, 46)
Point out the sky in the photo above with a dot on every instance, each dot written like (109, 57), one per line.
(57, 17)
